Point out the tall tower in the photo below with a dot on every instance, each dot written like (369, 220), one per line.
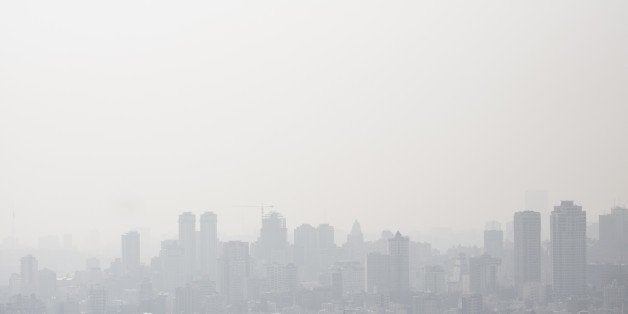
(187, 241)
(305, 251)
(527, 255)
(235, 272)
(493, 239)
(399, 251)
(28, 274)
(614, 235)
(130, 251)
(273, 238)
(568, 225)
(209, 245)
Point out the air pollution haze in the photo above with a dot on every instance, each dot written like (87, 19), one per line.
(428, 117)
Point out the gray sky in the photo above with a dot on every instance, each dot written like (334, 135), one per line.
(403, 114)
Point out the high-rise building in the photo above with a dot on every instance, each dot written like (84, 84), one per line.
(483, 274)
(435, 279)
(471, 304)
(273, 238)
(493, 239)
(377, 272)
(354, 247)
(306, 251)
(187, 241)
(28, 274)
(568, 224)
(209, 245)
(130, 251)
(347, 278)
(613, 235)
(326, 246)
(399, 251)
(97, 300)
(527, 248)
(47, 283)
(538, 201)
(325, 236)
(235, 268)
(171, 265)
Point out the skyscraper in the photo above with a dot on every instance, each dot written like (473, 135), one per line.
(377, 273)
(235, 272)
(399, 251)
(325, 236)
(493, 239)
(326, 246)
(28, 274)
(130, 251)
(483, 274)
(273, 238)
(209, 245)
(527, 248)
(538, 201)
(568, 224)
(614, 235)
(354, 247)
(187, 241)
(305, 251)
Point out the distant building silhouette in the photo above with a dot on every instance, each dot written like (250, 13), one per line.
(28, 274)
(130, 251)
(493, 240)
(377, 273)
(568, 224)
(209, 245)
(187, 241)
(613, 235)
(399, 251)
(235, 272)
(483, 274)
(306, 251)
(527, 248)
(273, 238)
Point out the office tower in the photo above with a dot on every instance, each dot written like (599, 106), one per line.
(97, 300)
(568, 224)
(47, 283)
(171, 264)
(306, 251)
(130, 251)
(538, 201)
(377, 272)
(235, 272)
(613, 235)
(354, 247)
(282, 278)
(483, 274)
(28, 274)
(325, 236)
(209, 245)
(273, 238)
(471, 304)
(187, 241)
(326, 246)
(527, 248)
(347, 278)
(399, 251)
(493, 239)
(435, 279)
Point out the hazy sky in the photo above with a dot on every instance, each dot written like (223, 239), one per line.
(402, 114)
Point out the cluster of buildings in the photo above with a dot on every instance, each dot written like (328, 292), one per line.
(198, 273)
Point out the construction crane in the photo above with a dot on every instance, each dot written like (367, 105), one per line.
(260, 206)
